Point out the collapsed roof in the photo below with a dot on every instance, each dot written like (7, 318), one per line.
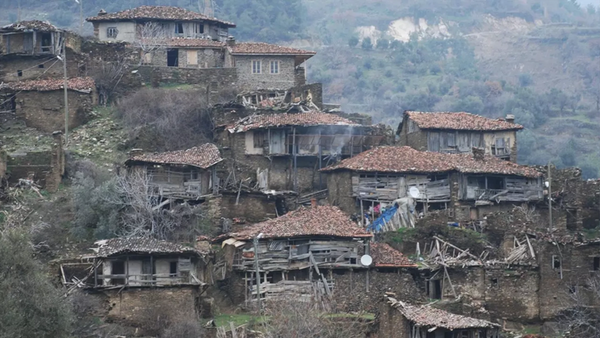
(156, 13)
(27, 26)
(82, 84)
(313, 221)
(427, 316)
(459, 121)
(140, 245)
(309, 119)
(386, 256)
(203, 156)
(390, 159)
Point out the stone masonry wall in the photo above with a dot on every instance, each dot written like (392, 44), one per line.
(40, 67)
(265, 80)
(45, 110)
(339, 185)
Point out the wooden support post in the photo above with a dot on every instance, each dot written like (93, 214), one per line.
(34, 39)
(96, 273)
(127, 272)
(320, 162)
(294, 154)
(259, 305)
(152, 269)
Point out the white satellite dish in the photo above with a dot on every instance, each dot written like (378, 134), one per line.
(366, 260)
(414, 192)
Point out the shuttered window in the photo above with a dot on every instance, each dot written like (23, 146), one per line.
(192, 57)
(256, 65)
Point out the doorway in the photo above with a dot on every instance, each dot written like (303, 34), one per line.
(173, 57)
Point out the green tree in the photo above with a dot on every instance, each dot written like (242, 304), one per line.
(353, 42)
(383, 44)
(367, 44)
(31, 306)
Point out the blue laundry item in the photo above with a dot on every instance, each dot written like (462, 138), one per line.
(454, 224)
(386, 216)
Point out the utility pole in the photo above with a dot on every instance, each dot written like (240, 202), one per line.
(259, 305)
(65, 85)
(550, 195)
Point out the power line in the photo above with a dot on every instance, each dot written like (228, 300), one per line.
(22, 90)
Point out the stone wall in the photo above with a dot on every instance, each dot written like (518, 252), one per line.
(286, 78)
(32, 67)
(141, 307)
(416, 139)
(45, 168)
(339, 185)
(45, 110)
(253, 208)
(392, 324)
(351, 293)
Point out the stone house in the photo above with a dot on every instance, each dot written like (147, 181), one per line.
(458, 133)
(284, 151)
(29, 50)
(398, 319)
(261, 65)
(172, 22)
(188, 53)
(40, 103)
(407, 180)
(44, 167)
(182, 174)
(309, 253)
(137, 278)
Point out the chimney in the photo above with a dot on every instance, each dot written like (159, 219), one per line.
(230, 41)
(510, 118)
(101, 12)
(313, 203)
(478, 153)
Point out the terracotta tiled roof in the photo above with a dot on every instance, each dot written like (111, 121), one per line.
(459, 121)
(427, 316)
(386, 256)
(77, 83)
(408, 160)
(157, 13)
(313, 221)
(37, 25)
(185, 42)
(262, 48)
(115, 246)
(203, 156)
(288, 119)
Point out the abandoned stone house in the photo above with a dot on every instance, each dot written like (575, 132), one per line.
(40, 103)
(284, 151)
(398, 319)
(44, 166)
(29, 50)
(182, 174)
(409, 182)
(136, 277)
(310, 253)
(459, 133)
(172, 22)
(261, 65)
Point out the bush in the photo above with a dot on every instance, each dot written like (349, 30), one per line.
(183, 328)
(525, 80)
(367, 44)
(383, 44)
(162, 119)
(353, 41)
(31, 306)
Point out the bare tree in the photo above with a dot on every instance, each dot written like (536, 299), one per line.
(150, 38)
(581, 317)
(305, 319)
(108, 75)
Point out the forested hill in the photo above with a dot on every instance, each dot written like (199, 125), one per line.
(536, 59)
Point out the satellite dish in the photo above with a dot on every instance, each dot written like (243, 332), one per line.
(366, 260)
(414, 192)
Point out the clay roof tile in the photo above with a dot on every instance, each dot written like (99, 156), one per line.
(459, 121)
(203, 156)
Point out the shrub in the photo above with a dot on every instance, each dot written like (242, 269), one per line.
(353, 41)
(367, 44)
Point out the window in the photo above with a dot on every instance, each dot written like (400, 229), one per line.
(259, 139)
(173, 57)
(256, 67)
(192, 57)
(555, 262)
(112, 32)
(178, 28)
(173, 269)
(41, 65)
(274, 67)
(19, 73)
(596, 263)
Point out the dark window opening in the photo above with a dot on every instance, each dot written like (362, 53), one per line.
(201, 28)
(555, 262)
(19, 72)
(494, 281)
(117, 268)
(434, 289)
(572, 219)
(100, 281)
(173, 269)
(46, 42)
(41, 65)
(448, 335)
(259, 139)
(495, 182)
(179, 28)
(596, 263)
(173, 57)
